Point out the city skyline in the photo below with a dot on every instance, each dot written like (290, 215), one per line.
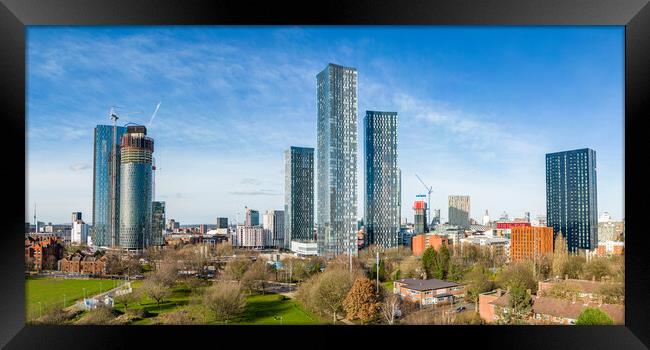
(463, 158)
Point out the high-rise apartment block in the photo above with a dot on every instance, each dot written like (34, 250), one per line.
(273, 225)
(106, 181)
(420, 217)
(157, 222)
(337, 160)
(298, 195)
(571, 197)
(136, 150)
(382, 177)
(252, 217)
(222, 223)
(530, 242)
(459, 211)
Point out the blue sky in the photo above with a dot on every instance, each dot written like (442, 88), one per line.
(478, 109)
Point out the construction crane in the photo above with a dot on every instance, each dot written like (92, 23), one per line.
(429, 191)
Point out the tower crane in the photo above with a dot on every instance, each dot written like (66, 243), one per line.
(429, 191)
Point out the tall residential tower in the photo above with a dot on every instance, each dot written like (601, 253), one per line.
(337, 160)
(136, 150)
(382, 179)
(103, 219)
(571, 197)
(298, 195)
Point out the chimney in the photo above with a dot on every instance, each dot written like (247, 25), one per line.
(566, 276)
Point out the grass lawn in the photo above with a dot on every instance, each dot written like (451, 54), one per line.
(49, 292)
(261, 309)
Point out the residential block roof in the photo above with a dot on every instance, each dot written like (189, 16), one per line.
(430, 284)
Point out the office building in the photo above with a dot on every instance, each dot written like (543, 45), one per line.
(106, 168)
(337, 160)
(136, 150)
(79, 234)
(381, 179)
(571, 197)
(298, 195)
(76, 216)
(459, 211)
(530, 242)
(222, 223)
(273, 225)
(420, 217)
(252, 217)
(157, 222)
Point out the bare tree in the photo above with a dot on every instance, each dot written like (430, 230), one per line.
(389, 306)
(236, 268)
(225, 300)
(256, 276)
(126, 299)
(332, 290)
(98, 316)
(155, 290)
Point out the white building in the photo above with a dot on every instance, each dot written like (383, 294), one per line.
(304, 248)
(498, 245)
(486, 219)
(249, 237)
(79, 234)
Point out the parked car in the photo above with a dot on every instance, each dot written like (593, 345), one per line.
(460, 309)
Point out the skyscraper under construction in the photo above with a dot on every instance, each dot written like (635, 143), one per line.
(136, 150)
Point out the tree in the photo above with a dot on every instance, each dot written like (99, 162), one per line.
(520, 301)
(520, 273)
(166, 274)
(612, 292)
(389, 305)
(155, 290)
(560, 256)
(597, 268)
(420, 317)
(410, 268)
(429, 262)
(332, 289)
(442, 262)
(594, 317)
(181, 316)
(382, 270)
(236, 268)
(563, 290)
(361, 301)
(225, 300)
(468, 318)
(477, 282)
(125, 299)
(256, 276)
(575, 266)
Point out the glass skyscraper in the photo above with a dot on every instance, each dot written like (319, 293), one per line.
(571, 197)
(298, 195)
(103, 221)
(337, 160)
(157, 222)
(382, 179)
(136, 188)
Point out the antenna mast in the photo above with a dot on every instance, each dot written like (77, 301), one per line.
(114, 118)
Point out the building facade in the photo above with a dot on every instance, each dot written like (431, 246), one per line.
(250, 237)
(429, 291)
(420, 217)
(421, 242)
(273, 225)
(530, 242)
(222, 223)
(252, 217)
(105, 196)
(337, 160)
(136, 150)
(571, 197)
(459, 211)
(382, 210)
(157, 222)
(298, 195)
(79, 233)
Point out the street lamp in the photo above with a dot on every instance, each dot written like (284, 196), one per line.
(84, 289)
(40, 310)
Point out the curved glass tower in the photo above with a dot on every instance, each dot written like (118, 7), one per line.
(135, 188)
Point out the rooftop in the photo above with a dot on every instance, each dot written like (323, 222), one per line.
(431, 284)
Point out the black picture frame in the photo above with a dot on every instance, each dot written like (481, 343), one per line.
(16, 14)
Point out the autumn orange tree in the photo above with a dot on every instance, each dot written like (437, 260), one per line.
(361, 302)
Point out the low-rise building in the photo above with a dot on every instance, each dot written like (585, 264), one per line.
(610, 248)
(304, 248)
(581, 288)
(81, 263)
(428, 292)
(42, 251)
(499, 246)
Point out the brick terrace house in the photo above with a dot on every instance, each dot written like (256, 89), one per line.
(80, 263)
(43, 251)
(546, 310)
(428, 292)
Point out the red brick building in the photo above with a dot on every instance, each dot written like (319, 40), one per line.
(84, 264)
(528, 242)
(428, 292)
(421, 242)
(42, 252)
